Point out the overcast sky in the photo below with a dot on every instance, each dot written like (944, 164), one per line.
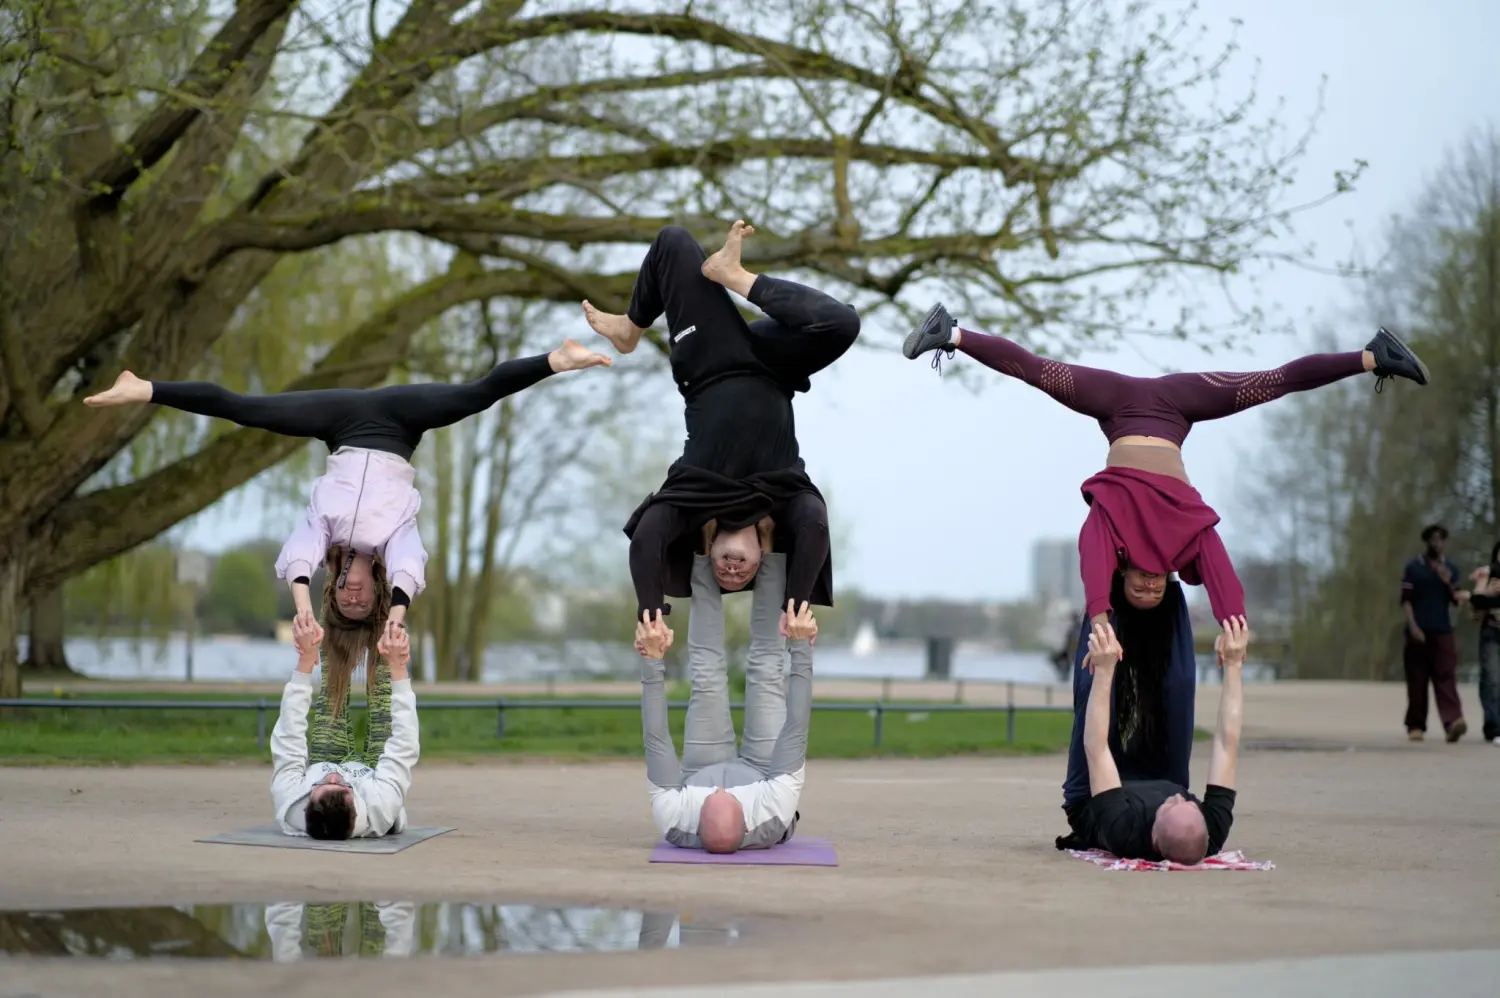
(943, 491)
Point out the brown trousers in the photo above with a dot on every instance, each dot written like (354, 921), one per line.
(1436, 661)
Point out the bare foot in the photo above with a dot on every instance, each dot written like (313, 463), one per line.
(725, 268)
(622, 334)
(127, 388)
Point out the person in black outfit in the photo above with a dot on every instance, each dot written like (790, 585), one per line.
(740, 463)
(1159, 819)
(1429, 591)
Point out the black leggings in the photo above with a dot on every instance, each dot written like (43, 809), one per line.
(390, 419)
(806, 330)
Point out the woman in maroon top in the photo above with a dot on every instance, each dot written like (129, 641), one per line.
(1145, 519)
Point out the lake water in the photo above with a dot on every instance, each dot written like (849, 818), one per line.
(234, 659)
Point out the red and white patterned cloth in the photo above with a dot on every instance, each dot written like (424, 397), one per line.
(1233, 860)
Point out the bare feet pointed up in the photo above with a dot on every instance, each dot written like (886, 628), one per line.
(622, 334)
(725, 267)
(127, 388)
(574, 356)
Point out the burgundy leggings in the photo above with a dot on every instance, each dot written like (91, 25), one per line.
(1158, 407)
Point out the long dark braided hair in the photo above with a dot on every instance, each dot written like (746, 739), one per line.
(1146, 638)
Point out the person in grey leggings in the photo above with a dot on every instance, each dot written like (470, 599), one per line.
(722, 799)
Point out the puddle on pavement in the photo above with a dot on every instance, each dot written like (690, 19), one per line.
(353, 929)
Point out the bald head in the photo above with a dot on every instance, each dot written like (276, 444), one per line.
(721, 823)
(1180, 833)
(736, 557)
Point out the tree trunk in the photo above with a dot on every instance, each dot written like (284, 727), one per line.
(12, 570)
(45, 651)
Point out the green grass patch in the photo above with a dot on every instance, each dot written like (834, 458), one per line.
(125, 736)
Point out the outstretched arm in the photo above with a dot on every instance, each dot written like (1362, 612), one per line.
(289, 737)
(387, 793)
(658, 527)
(807, 518)
(662, 768)
(1232, 643)
(1104, 652)
(790, 754)
(1226, 594)
(302, 553)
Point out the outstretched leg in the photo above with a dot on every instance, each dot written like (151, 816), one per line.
(1179, 691)
(378, 724)
(1196, 396)
(328, 735)
(765, 673)
(422, 407)
(806, 331)
(708, 730)
(1211, 395)
(1086, 390)
(315, 414)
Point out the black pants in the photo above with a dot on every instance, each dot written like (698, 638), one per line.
(806, 330)
(1434, 661)
(390, 419)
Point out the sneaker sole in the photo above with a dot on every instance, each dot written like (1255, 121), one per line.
(914, 338)
(1408, 351)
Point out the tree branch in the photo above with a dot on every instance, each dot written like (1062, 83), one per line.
(86, 530)
(514, 177)
(792, 61)
(405, 140)
(155, 136)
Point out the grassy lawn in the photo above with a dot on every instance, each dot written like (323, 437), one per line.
(124, 736)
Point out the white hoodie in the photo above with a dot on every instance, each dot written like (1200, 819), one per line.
(379, 793)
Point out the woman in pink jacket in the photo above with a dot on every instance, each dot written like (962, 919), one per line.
(361, 522)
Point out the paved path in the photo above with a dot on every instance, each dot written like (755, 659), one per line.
(1461, 974)
(947, 868)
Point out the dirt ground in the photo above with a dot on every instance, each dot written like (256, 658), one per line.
(947, 866)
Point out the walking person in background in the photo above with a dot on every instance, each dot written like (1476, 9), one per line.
(1428, 594)
(1485, 604)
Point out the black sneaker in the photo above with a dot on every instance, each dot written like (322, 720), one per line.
(1394, 359)
(934, 332)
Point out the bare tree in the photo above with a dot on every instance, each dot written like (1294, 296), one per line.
(1048, 163)
(1367, 472)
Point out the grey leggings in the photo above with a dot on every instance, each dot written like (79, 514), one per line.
(708, 732)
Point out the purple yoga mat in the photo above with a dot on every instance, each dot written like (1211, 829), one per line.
(798, 852)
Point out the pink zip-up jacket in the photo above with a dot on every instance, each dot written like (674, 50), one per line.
(367, 501)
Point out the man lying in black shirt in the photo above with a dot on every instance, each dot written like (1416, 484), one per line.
(740, 463)
(1158, 819)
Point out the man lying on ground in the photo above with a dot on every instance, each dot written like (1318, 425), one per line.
(719, 799)
(1159, 819)
(320, 785)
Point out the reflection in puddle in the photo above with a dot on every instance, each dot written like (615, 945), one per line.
(370, 929)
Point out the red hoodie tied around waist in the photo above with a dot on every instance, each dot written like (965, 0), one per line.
(1159, 525)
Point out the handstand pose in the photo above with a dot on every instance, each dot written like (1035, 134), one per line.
(740, 462)
(1145, 519)
(1154, 818)
(321, 786)
(719, 799)
(361, 522)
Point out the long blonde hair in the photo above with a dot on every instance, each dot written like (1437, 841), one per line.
(347, 642)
